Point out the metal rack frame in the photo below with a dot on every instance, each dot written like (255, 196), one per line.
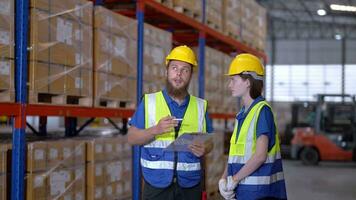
(198, 33)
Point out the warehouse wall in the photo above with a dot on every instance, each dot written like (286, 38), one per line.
(320, 52)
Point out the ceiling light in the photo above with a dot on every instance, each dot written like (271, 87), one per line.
(321, 12)
(338, 7)
(338, 37)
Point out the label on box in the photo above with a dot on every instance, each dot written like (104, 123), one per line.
(114, 170)
(98, 193)
(79, 150)
(64, 31)
(57, 182)
(109, 190)
(79, 10)
(108, 148)
(53, 154)
(78, 83)
(98, 170)
(38, 182)
(105, 44)
(66, 152)
(5, 7)
(5, 68)
(79, 35)
(98, 148)
(5, 37)
(120, 47)
(79, 58)
(39, 154)
(107, 86)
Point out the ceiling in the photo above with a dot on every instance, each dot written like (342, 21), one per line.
(298, 19)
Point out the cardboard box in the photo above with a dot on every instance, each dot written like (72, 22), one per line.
(79, 10)
(36, 156)
(7, 28)
(7, 76)
(59, 40)
(113, 87)
(115, 43)
(36, 187)
(46, 78)
(78, 81)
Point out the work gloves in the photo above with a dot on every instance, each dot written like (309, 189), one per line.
(225, 188)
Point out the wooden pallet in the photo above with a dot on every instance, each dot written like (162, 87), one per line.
(7, 96)
(167, 3)
(59, 99)
(113, 103)
(187, 11)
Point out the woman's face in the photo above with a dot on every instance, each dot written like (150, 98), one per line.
(238, 86)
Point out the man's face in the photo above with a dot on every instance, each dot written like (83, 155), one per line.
(179, 74)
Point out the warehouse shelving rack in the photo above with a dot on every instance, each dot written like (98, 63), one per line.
(185, 30)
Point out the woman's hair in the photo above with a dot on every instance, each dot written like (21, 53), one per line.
(256, 85)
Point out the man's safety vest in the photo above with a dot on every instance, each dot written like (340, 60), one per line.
(158, 165)
(268, 179)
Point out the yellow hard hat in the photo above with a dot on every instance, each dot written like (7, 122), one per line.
(246, 64)
(182, 53)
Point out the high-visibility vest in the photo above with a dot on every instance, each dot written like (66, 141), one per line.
(157, 164)
(267, 180)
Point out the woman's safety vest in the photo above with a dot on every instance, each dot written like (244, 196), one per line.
(268, 179)
(158, 165)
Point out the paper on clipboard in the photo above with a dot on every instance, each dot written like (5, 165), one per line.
(182, 142)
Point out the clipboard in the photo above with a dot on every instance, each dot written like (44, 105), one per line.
(181, 144)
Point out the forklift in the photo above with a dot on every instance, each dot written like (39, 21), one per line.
(331, 135)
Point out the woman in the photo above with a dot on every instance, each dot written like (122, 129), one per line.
(254, 169)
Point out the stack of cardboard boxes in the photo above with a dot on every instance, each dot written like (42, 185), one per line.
(115, 57)
(213, 172)
(60, 60)
(56, 170)
(4, 147)
(158, 44)
(216, 90)
(214, 14)
(7, 50)
(108, 169)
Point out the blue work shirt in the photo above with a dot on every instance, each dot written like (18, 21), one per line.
(178, 111)
(265, 122)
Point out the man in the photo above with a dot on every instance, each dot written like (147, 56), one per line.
(159, 119)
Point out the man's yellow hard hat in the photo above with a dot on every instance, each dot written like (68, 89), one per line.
(246, 64)
(182, 53)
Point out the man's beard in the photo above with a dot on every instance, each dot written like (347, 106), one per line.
(177, 93)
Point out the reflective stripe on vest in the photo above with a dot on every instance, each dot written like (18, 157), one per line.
(263, 180)
(169, 165)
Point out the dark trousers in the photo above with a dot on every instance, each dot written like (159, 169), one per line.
(172, 192)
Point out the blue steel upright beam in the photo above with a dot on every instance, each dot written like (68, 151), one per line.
(202, 42)
(18, 138)
(136, 175)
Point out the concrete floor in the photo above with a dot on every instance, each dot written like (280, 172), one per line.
(328, 180)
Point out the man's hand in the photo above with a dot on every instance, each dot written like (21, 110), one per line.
(166, 124)
(199, 148)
